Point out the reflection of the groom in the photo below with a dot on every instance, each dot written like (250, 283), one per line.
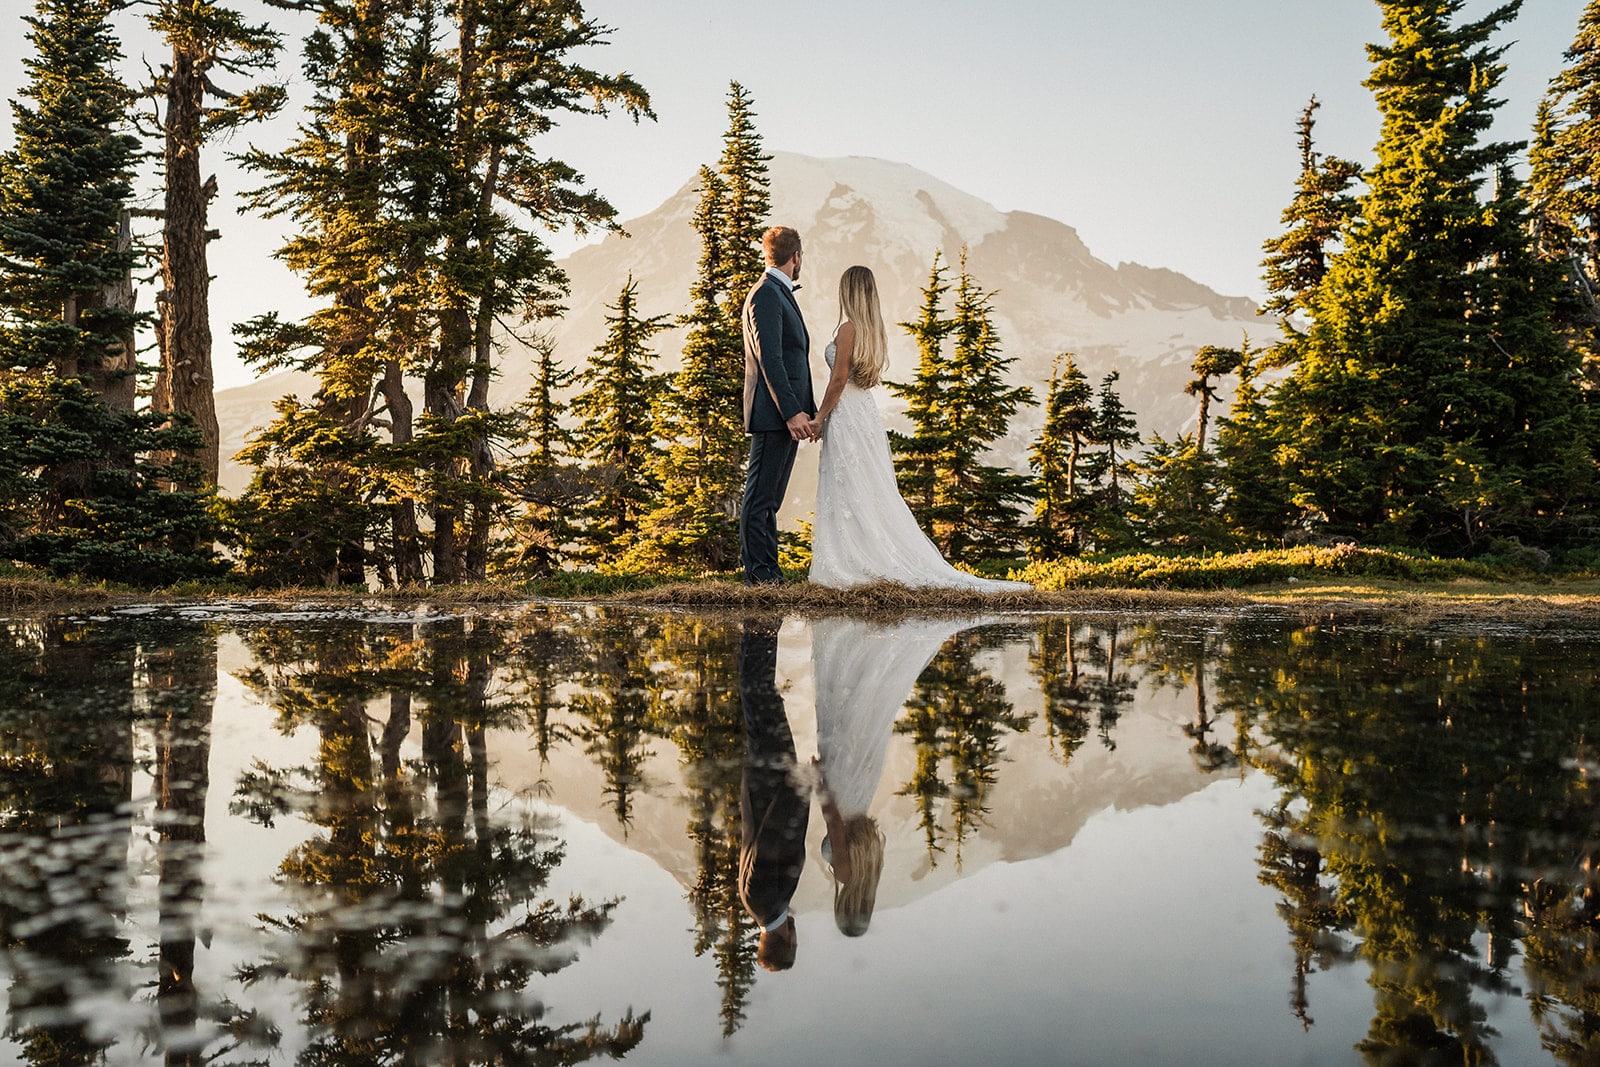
(774, 808)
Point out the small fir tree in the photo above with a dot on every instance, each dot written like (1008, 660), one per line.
(959, 405)
(547, 481)
(917, 453)
(1174, 499)
(619, 396)
(1255, 486)
(978, 502)
(1116, 432)
(1056, 459)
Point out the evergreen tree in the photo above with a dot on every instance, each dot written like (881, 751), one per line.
(614, 434)
(695, 523)
(204, 38)
(1297, 260)
(545, 476)
(746, 204)
(1255, 486)
(85, 493)
(1056, 457)
(1116, 431)
(422, 192)
(1209, 362)
(959, 405)
(1174, 503)
(979, 501)
(917, 454)
(1565, 185)
(1433, 402)
(311, 503)
(695, 520)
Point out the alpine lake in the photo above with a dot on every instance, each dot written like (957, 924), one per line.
(258, 833)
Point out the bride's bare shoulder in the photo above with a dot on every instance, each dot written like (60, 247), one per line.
(845, 332)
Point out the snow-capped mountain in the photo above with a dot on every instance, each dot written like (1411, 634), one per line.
(1050, 294)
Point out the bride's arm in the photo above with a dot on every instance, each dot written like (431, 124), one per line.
(844, 343)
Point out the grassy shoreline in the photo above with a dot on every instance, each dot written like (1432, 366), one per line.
(1520, 598)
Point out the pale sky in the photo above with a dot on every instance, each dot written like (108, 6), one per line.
(1163, 130)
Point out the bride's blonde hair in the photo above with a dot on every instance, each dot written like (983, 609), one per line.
(854, 900)
(858, 303)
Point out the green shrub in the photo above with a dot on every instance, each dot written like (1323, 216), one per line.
(1238, 569)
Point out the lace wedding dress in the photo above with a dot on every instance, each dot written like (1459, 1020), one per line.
(864, 532)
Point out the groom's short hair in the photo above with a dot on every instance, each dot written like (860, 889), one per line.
(780, 243)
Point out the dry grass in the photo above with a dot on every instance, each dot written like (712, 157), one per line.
(17, 592)
(1472, 599)
(1458, 599)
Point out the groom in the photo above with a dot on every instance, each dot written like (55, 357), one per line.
(778, 404)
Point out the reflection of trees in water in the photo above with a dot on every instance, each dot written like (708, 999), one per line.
(615, 720)
(540, 656)
(1177, 656)
(182, 687)
(73, 696)
(958, 715)
(66, 774)
(1561, 921)
(699, 708)
(423, 922)
(1067, 704)
(1427, 782)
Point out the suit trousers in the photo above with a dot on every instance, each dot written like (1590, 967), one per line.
(766, 479)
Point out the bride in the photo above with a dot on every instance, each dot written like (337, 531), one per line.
(864, 532)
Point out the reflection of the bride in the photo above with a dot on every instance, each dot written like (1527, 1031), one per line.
(863, 673)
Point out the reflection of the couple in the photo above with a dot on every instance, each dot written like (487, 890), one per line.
(863, 673)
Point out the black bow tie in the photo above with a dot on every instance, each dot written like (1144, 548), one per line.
(795, 288)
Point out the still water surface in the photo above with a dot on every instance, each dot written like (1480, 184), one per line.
(254, 836)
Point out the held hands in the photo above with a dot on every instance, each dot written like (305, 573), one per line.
(804, 428)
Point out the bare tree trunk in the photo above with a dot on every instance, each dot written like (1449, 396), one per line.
(118, 381)
(439, 398)
(185, 385)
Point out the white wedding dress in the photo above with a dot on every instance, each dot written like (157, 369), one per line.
(864, 532)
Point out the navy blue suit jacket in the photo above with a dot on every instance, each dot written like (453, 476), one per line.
(777, 366)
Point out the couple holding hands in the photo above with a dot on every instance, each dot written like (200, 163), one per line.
(863, 531)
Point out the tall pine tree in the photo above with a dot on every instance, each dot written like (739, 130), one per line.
(1432, 362)
(544, 475)
(83, 493)
(1297, 260)
(695, 523)
(205, 38)
(1565, 185)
